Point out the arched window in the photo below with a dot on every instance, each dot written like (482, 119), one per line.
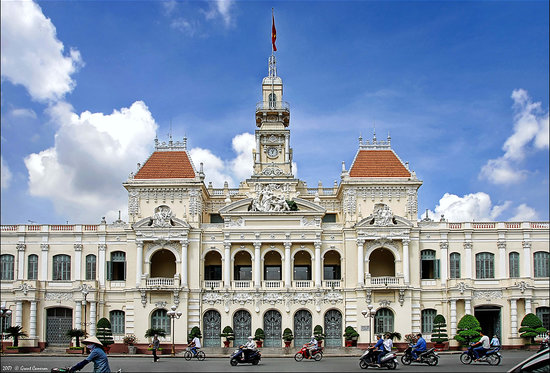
(90, 267)
(513, 264)
(117, 321)
(159, 319)
(454, 262)
(272, 100)
(540, 259)
(61, 268)
(116, 268)
(429, 265)
(383, 321)
(32, 267)
(543, 314)
(485, 265)
(428, 316)
(6, 266)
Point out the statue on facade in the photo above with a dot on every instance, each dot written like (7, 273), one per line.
(268, 201)
(162, 216)
(382, 214)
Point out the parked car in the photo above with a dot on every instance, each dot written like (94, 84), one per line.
(537, 363)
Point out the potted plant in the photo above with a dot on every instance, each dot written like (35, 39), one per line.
(228, 335)
(150, 333)
(531, 326)
(319, 335)
(350, 335)
(259, 337)
(104, 333)
(195, 332)
(439, 335)
(14, 332)
(468, 329)
(77, 334)
(129, 340)
(288, 337)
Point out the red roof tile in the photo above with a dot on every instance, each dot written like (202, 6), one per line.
(166, 165)
(378, 163)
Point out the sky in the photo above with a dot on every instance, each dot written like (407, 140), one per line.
(461, 88)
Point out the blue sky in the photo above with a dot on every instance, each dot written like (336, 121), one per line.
(461, 87)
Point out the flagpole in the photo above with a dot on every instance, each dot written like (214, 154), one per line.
(273, 59)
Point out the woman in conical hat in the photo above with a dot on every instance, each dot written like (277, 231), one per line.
(97, 355)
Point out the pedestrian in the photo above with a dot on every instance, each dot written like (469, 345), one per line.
(495, 342)
(97, 355)
(155, 345)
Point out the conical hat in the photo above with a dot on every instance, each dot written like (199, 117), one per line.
(92, 340)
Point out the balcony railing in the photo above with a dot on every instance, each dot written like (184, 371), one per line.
(270, 284)
(385, 281)
(160, 282)
(331, 283)
(212, 284)
(242, 284)
(270, 105)
(302, 284)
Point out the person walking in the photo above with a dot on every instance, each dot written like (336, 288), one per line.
(155, 345)
(97, 355)
(495, 342)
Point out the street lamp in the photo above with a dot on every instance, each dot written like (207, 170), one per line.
(370, 315)
(4, 313)
(173, 315)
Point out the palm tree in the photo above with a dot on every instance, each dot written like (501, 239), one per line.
(76, 333)
(15, 332)
(152, 331)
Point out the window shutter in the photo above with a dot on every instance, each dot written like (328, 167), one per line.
(109, 270)
(437, 269)
(124, 277)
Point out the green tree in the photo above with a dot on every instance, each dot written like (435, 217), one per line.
(531, 326)
(195, 332)
(350, 333)
(439, 331)
(259, 334)
(151, 332)
(76, 333)
(318, 333)
(15, 332)
(468, 330)
(287, 335)
(104, 332)
(228, 333)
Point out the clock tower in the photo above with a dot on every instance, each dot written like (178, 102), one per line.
(272, 155)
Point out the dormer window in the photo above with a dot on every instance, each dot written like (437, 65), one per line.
(272, 100)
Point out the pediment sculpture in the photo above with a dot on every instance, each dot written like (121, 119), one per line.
(267, 201)
(162, 217)
(383, 216)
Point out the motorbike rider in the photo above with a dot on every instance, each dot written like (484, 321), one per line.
(378, 347)
(312, 346)
(419, 347)
(386, 347)
(481, 347)
(97, 355)
(249, 347)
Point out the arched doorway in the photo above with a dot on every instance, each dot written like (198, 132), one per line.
(381, 263)
(489, 320)
(302, 327)
(272, 328)
(212, 322)
(163, 264)
(333, 328)
(242, 326)
(213, 266)
(58, 321)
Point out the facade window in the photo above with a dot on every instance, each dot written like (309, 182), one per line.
(117, 321)
(331, 272)
(159, 319)
(213, 272)
(429, 265)
(32, 267)
(485, 265)
(6, 322)
(90, 267)
(272, 272)
(243, 272)
(116, 268)
(61, 268)
(302, 273)
(543, 313)
(513, 264)
(6, 263)
(428, 316)
(454, 262)
(383, 321)
(272, 100)
(329, 218)
(216, 218)
(540, 259)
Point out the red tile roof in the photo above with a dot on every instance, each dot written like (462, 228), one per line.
(377, 163)
(166, 165)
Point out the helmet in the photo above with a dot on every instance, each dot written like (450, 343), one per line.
(250, 337)
(312, 336)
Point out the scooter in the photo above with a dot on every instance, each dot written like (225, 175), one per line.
(316, 354)
(369, 359)
(543, 345)
(429, 357)
(240, 357)
(492, 356)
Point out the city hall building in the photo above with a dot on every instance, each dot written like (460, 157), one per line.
(273, 253)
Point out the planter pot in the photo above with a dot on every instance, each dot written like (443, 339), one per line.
(287, 343)
(132, 350)
(439, 346)
(226, 344)
(348, 342)
(11, 350)
(106, 349)
(320, 344)
(74, 351)
(259, 343)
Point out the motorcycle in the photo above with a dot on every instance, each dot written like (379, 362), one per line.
(492, 356)
(543, 345)
(240, 357)
(429, 357)
(316, 354)
(369, 359)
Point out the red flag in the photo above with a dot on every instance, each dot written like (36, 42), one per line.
(273, 33)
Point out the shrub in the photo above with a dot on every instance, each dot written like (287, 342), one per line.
(259, 334)
(195, 332)
(394, 335)
(150, 333)
(76, 333)
(15, 332)
(409, 338)
(287, 335)
(531, 326)
(129, 339)
(318, 333)
(228, 333)
(104, 333)
(350, 333)
(439, 330)
(468, 330)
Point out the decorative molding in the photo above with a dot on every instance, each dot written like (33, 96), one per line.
(58, 296)
(401, 297)
(333, 297)
(267, 200)
(383, 216)
(384, 303)
(21, 247)
(350, 201)
(526, 245)
(45, 246)
(161, 304)
(102, 247)
(143, 298)
(501, 244)
(133, 202)
(162, 217)
(25, 288)
(487, 294)
(468, 245)
(78, 247)
(444, 245)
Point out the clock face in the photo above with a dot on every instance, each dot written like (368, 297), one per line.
(272, 152)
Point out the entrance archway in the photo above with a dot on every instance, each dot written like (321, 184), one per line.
(381, 263)
(272, 328)
(489, 320)
(58, 321)
(333, 328)
(302, 327)
(212, 322)
(242, 326)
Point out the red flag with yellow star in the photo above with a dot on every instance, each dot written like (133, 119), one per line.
(273, 33)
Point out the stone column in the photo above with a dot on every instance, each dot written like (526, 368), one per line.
(406, 265)
(501, 259)
(468, 259)
(526, 259)
(77, 262)
(467, 306)
(19, 312)
(257, 265)
(78, 314)
(288, 267)
(443, 246)
(32, 327)
(227, 265)
(528, 308)
(92, 318)
(360, 263)
(514, 318)
(21, 261)
(184, 275)
(317, 264)
(139, 263)
(43, 273)
(453, 317)
(101, 264)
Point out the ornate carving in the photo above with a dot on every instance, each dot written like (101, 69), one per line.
(44, 246)
(162, 217)
(133, 202)
(350, 200)
(526, 245)
(238, 222)
(242, 298)
(501, 244)
(195, 202)
(314, 222)
(212, 298)
(333, 297)
(383, 215)
(412, 202)
(468, 245)
(21, 247)
(102, 247)
(302, 298)
(369, 296)
(78, 247)
(272, 298)
(488, 294)
(384, 303)
(143, 298)
(25, 288)
(444, 245)
(58, 296)
(272, 171)
(267, 201)
(401, 297)
(160, 304)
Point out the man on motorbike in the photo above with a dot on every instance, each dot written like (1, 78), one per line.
(312, 346)
(386, 347)
(249, 347)
(419, 347)
(481, 347)
(378, 347)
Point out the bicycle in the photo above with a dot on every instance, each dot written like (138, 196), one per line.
(188, 355)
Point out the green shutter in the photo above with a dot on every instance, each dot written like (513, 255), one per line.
(109, 270)
(437, 268)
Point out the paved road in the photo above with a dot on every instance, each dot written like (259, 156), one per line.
(139, 363)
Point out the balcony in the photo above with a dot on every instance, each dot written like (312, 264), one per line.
(268, 105)
(331, 284)
(384, 282)
(161, 282)
(242, 284)
(212, 284)
(273, 284)
(302, 284)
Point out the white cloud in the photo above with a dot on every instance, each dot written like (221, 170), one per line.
(220, 8)
(215, 169)
(32, 55)
(531, 131)
(525, 213)
(93, 153)
(5, 175)
(471, 207)
(243, 165)
(169, 6)
(23, 113)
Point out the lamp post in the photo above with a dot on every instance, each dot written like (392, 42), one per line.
(4, 313)
(370, 315)
(85, 289)
(173, 315)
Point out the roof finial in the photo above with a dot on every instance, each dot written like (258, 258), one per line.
(374, 132)
(360, 139)
(184, 142)
(389, 138)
